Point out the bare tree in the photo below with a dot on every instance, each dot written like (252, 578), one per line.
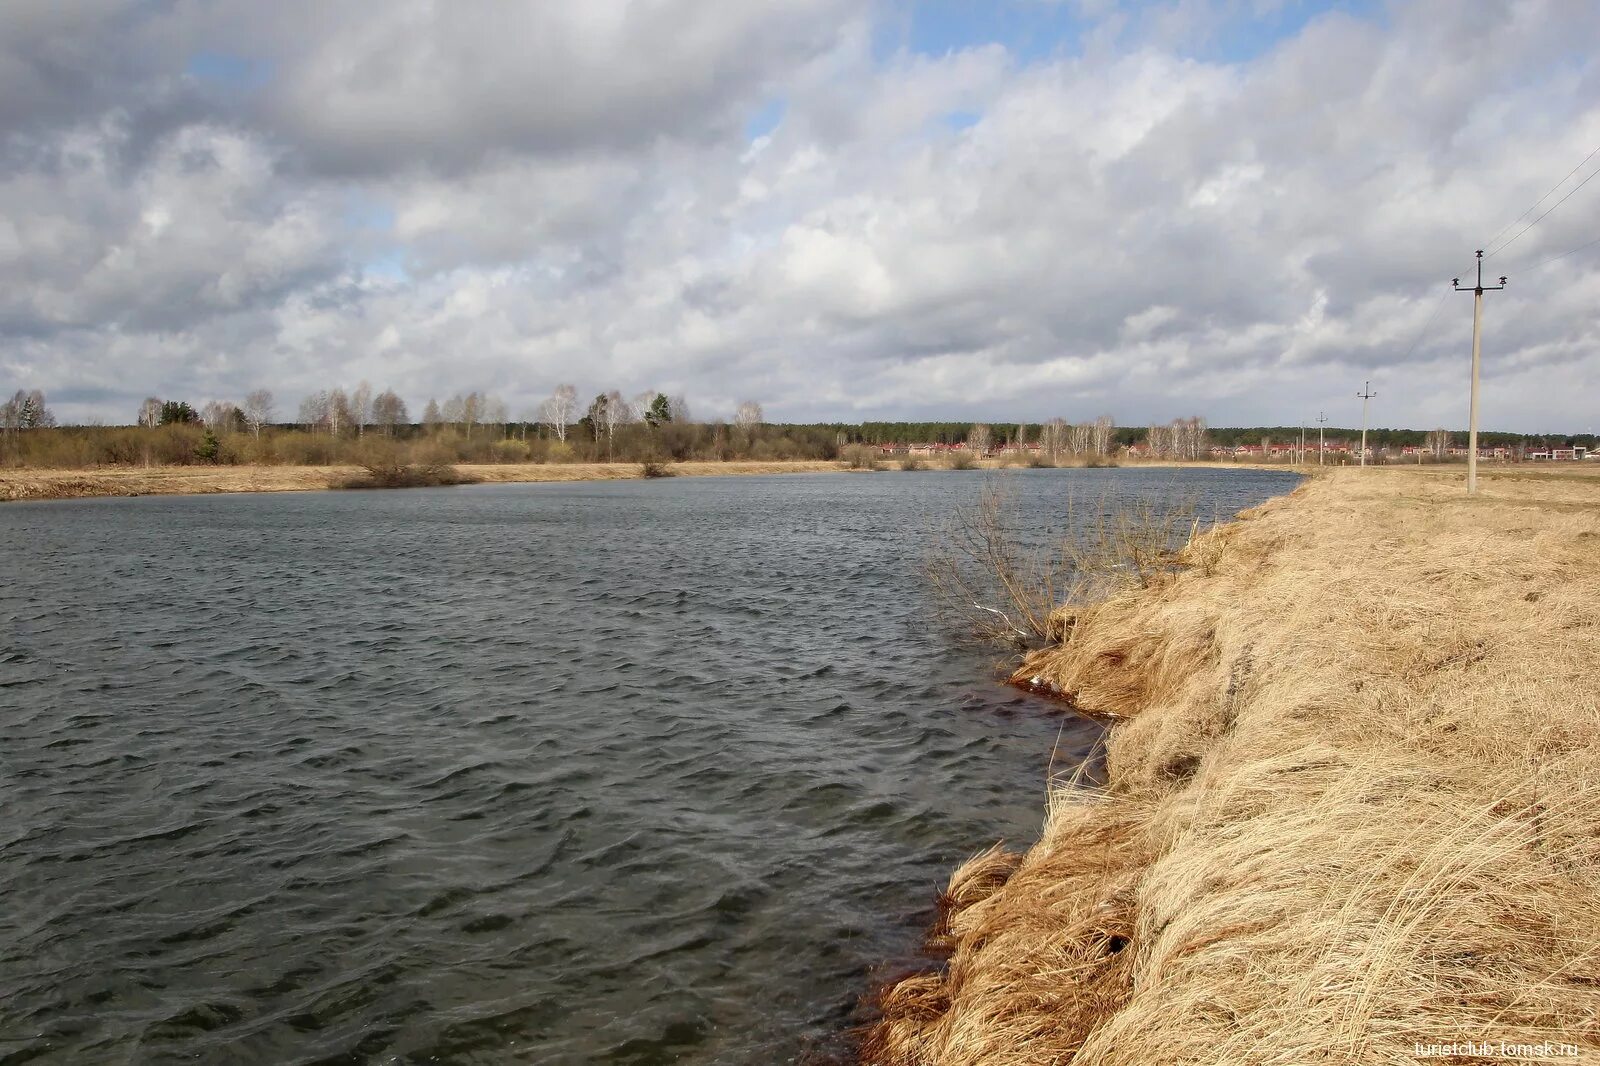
(26, 410)
(471, 410)
(339, 414)
(1156, 441)
(220, 416)
(432, 418)
(1439, 443)
(389, 411)
(747, 415)
(1082, 438)
(11, 412)
(257, 410)
(1191, 438)
(35, 413)
(1054, 437)
(556, 411)
(618, 412)
(494, 412)
(361, 407)
(978, 438)
(454, 412)
(679, 408)
(150, 412)
(1100, 442)
(314, 411)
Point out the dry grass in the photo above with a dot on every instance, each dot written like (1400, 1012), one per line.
(189, 480)
(1353, 801)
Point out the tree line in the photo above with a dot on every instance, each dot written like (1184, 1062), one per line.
(344, 426)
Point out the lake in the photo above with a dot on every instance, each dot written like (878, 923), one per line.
(616, 772)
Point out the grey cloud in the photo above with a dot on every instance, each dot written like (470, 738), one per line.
(434, 202)
(449, 85)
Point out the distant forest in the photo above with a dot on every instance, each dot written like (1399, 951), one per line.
(333, 428)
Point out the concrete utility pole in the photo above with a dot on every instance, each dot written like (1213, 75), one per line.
(1477, 329)
(1364, 395)
(1302, 460)
(1321, 424)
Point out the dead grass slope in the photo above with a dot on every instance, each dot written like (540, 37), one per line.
(1354, 805)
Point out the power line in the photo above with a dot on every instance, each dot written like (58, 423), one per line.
(1541, 199)
(1549, 209)
(1563, 255)
(1424, 330)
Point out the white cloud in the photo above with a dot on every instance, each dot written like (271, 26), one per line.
(445, 197)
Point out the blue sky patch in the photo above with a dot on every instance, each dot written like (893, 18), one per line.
(229, 70)
(764, 121)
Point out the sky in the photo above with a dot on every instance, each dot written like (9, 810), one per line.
(842, 209)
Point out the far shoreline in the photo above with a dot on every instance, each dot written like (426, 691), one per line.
(19, 485)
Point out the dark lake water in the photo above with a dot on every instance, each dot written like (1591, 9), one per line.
(630, 772)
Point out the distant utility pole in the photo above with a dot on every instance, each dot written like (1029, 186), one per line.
(1321, 424)
(1364, 395)
(1302, 442)
(1477, 329)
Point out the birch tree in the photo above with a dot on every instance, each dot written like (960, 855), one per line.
(748, 415)
(1439, 443)
(11, 412)
(1054, 438)
(978, 438)
(389, 411)
(35, 412)
(339, 416)
(494, 411)
(617, 412)
(1155, 441)
(556, 411)
(26, 410)
(455, 411)
(361, 407)
(314, 411)
(1100, 441)
(150, 412)
(257, 410)
(220, 416)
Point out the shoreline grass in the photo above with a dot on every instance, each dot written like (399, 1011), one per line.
(29, 484)
(1352, 803)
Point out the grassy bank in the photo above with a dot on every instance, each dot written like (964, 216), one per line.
(190, 480)
(1353, 801)
(62, 484)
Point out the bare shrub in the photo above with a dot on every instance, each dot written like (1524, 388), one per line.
(911, 462)
(961, 459)
(861, 457)
(387, 466)
(655, 468)
(1007, 583)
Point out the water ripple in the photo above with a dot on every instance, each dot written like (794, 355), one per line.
(611, 773)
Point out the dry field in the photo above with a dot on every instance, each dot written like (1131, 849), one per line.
(189, 480)
(1352, 806)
